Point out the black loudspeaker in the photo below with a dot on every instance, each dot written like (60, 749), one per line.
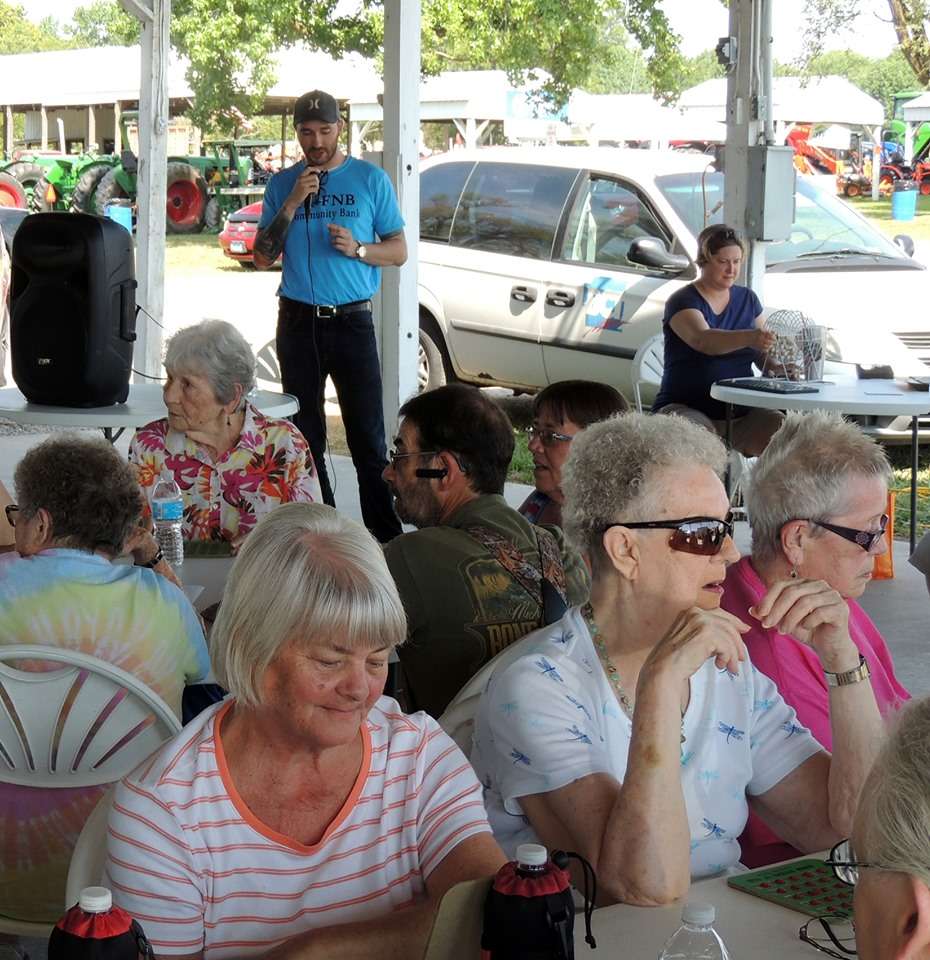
(73, 310)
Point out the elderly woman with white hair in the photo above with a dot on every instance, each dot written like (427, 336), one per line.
(888, 859)
(306, 816)
(817, 505)
(232, 463)
(632, 730)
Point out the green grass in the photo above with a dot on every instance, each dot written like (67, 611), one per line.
(900, 458)
(879, 213)
(195, 253)
(521, 466)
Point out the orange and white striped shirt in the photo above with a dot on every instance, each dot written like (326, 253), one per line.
(199, 871)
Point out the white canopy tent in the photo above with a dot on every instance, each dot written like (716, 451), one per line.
(915, 112)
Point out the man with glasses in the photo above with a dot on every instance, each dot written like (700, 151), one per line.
(476, 575)
(336, 220)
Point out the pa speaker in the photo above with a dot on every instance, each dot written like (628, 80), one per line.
(73, 310)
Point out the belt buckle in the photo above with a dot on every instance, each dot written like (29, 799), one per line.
(325, 312)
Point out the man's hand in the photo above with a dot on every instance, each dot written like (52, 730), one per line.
(693, 638)
(341, 238)
(814, 613)
(306, 185)
(141, 544)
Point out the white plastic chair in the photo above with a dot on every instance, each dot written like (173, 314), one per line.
(90, 852)
(648, 366)
(85, 724)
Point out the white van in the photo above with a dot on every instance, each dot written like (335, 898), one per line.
(539, 265)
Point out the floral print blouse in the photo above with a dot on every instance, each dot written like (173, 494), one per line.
(223, 499)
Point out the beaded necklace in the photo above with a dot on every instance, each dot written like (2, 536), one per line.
(613, 675)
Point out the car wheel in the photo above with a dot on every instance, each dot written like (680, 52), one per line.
(430, 370)
(247, 264)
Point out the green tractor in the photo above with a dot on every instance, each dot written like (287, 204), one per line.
(58, 182)
(194, 185)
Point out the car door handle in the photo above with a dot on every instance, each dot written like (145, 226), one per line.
(560, 298)
(523, 294)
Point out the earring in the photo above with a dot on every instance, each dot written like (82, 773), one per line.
(228, 421)
(794, 573)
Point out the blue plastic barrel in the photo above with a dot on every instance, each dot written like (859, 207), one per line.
(904, 200)
(121, 214)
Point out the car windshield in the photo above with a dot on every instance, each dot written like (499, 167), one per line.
(823, 224)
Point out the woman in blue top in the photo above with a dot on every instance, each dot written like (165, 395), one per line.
(714, 330)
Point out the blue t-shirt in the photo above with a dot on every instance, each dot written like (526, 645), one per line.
(357, 195)
(689, 374)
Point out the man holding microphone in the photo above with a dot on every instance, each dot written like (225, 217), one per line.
(337, 221)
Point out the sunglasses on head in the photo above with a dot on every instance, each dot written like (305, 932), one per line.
(867, 539)
(703, 536)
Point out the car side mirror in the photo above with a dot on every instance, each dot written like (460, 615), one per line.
(906, 243)
(651, 252)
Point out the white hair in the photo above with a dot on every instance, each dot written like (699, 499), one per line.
(895, 804)
(804, 474)
(216, 350)
(305, 573)
(611, 471)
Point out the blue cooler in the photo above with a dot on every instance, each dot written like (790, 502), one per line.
(122, 214)
(904, 200)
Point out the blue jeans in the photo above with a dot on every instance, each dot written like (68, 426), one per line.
(343, 348)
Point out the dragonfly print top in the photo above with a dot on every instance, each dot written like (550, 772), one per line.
(549, 717)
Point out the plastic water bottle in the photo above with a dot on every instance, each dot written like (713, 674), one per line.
(167, 514)
(696, 938)
(93, 928)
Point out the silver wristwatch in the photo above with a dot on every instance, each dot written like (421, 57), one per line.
(360, 250)
(862, 672)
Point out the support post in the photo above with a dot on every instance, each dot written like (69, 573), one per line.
(745, 126)
(8, 132)
(398, 322)
(876, 162)
(43, 115)
(90, 130)
(151, 195)
(908, 141)
(117, 128)
(471, 133)
(283, 135)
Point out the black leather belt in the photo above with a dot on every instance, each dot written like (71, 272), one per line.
(324, 311)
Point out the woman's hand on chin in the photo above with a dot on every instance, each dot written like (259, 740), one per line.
(814, 613)
(694, 637)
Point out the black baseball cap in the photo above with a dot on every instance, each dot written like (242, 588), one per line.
(316, 105)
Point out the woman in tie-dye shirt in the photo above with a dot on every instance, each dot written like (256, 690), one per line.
(78, 509)
(232, 463)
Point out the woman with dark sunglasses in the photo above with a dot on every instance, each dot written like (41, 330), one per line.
(817, 503)
(635, 730)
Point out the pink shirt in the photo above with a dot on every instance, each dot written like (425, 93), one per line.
(795, 668)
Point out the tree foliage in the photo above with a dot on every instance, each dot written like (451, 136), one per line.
(18, 34)
(103, 23)
(910, 19)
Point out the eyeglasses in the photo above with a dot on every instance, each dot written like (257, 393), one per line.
(547, 438)
(845, 865)
(834, 936)
(703, 536)
(11, 510)
(864, 538)
(394, 455)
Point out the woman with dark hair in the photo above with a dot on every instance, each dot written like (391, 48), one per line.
(713, 331)
(559, 412)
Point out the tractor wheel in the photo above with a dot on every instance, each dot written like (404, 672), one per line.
(924, 186)
(82, 198)
(886, 184)
(40, 202)
(28, 174)
(187, 199)
(852, 189)
(212, 217)
(108, 191)
(12, 192)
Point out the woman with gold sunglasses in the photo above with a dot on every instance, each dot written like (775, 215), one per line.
(635, 730)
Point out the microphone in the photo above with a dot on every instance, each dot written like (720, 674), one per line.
(310, 198)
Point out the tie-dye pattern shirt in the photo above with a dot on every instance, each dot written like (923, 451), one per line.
(126, 615)
(549, 717)
(223, 499)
